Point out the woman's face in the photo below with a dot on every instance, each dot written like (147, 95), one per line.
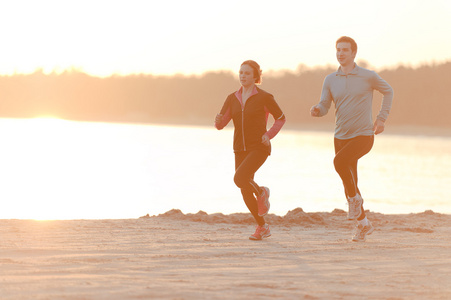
(247, 76)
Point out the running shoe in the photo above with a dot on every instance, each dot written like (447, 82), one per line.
(355, 207)
(263, 202)
(260, 233)
(362, 232)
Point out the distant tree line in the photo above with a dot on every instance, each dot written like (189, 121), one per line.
(422, 96)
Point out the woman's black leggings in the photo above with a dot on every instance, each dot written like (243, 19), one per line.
(347, 153)
(246, 164)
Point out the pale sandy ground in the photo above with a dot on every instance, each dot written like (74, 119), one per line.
(177, 256)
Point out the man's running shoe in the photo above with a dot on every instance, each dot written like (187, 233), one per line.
(260, 233)
(355, 207)
(362, 232)
(263, 202)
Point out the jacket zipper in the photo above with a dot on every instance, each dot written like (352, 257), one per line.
(242, 126)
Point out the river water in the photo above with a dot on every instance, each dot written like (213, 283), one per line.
(57, 169)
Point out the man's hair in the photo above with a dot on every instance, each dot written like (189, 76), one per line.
(347, 39)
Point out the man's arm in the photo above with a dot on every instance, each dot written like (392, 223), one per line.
(324, 104)
(386, 90)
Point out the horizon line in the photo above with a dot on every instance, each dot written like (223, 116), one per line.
(270, 72)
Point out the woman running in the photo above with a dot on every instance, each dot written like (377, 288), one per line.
(249, 108)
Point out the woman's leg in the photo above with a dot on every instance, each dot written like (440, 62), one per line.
(246, 164)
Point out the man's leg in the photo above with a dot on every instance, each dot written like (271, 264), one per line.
(347, 153)
(356, 178)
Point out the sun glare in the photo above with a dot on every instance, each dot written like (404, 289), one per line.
(59, 169)
(50, 123)
(42, 165)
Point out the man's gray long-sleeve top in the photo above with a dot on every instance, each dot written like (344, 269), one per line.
(353, 97)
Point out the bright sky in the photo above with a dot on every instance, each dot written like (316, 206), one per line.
(104, 37)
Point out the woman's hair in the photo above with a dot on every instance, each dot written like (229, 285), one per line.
(347, 39)
(256, 68)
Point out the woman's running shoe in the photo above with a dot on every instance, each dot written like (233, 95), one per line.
(263, 202)
(260, 233)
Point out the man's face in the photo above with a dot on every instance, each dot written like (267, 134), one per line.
(345, 55)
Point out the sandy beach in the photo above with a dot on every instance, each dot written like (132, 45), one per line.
(201, 256)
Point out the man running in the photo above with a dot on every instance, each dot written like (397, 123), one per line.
(351, 90)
